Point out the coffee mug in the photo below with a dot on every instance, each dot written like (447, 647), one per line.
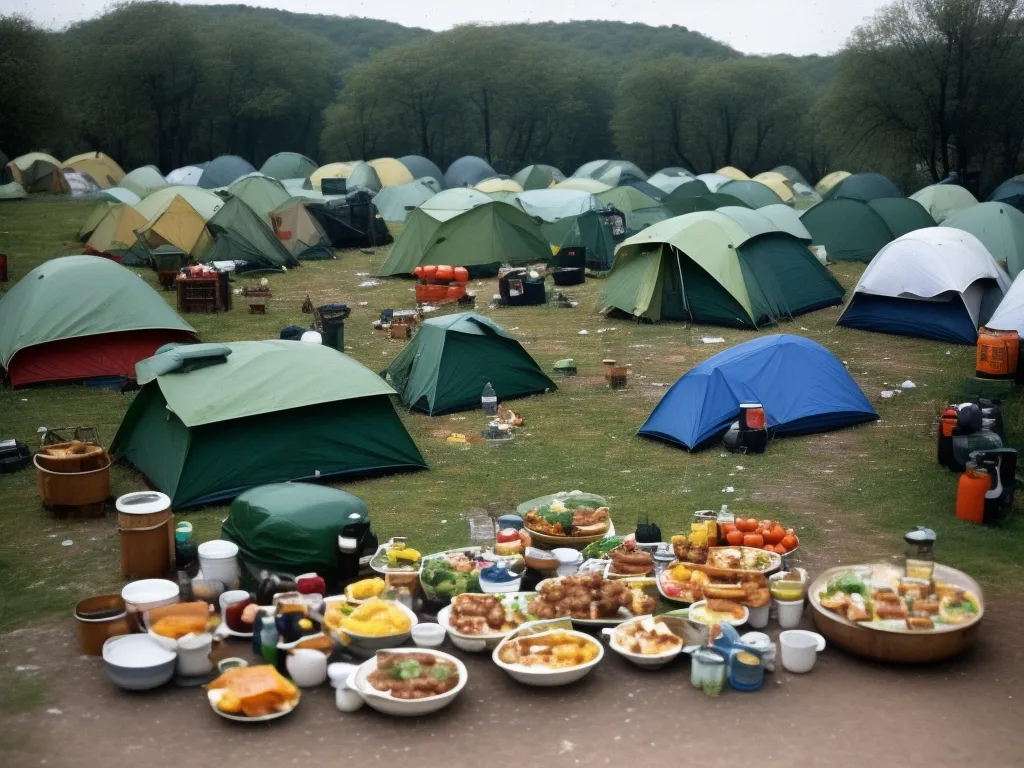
(799, 649)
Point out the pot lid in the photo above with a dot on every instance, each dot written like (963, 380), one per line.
(143, 503)
(921, 535)
(218, 549)
(149, 591)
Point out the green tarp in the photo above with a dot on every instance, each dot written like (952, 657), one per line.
(288, 165)
(450, 360)
(273, 411)
(589, 230)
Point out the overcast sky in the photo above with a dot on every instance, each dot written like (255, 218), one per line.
(754, 26)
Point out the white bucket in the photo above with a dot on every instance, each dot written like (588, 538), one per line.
(218, 560)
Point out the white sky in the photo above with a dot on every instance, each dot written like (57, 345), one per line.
(753, 26)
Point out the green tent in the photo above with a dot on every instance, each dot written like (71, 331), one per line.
(263, 194)
(396, 203)
(144, 181)
(465, 228)
(682, 204)
(288, 165)
(854, 230)
(863, 186)
(943, 200)
(710, 267)
(240, 234)
(641, 210)
(589, 230)
(538, 177)
(269, 412)
(1000, 227)
(291, 528)
(450, 360)
(754, 194)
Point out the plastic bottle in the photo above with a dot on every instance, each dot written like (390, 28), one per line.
(268, 640)
(489, 400)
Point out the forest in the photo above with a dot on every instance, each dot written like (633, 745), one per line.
(924, 89)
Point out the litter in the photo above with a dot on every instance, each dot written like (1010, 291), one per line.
(887, 393)
(728, 489)
(369, 283)
(908, 384)
(364, 303)
(582, 333)
(66, 543)
(713, 340)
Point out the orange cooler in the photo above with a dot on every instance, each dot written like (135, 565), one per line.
(997, 354)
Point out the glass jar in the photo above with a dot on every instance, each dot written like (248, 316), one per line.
(708, 671)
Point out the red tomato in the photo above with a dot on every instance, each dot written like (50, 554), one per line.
(755, 540)
(747, 526)
(775, 535)
(768, 547)
(779, 549)
(727, 528)
(735, 538)
(790, 542)
(671, 589)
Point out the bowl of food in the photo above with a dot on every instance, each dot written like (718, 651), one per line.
(480, 622)
(646, 641)
(630, 560)
(409, 682)
(714, 611)
(168, 624)
(137, 662)
(573, 521)
(252, 694)
(548, 659)
(447, 574)
(146, 594)
(590, 599)
(398, 562)
(364, 590)
(370, 626)
(499, 578)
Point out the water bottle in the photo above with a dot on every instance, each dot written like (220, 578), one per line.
(489, 400)
(268, 640)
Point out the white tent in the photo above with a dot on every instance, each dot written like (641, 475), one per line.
(667, 179)
(932, 283)
(1010, 314)
(943, 200)
(189, 175)
(555, 204)
(714, 180)
(121, 195)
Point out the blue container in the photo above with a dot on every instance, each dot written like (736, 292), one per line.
(510, 521)
(746, 670)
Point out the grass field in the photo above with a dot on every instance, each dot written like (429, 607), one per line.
(851, 494)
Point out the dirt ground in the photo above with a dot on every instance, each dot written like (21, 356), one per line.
(846, 712)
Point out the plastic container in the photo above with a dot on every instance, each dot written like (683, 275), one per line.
(708, 671)
(746, 670)
(218, 560)
(789, 612)
(970, 494)
(799, 650)
(997, 355)
(758, 618)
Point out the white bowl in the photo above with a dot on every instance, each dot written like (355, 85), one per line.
(389, 705)
(544, 677)
(147, 594)
(469, 643)
(642, 660)
(428, 635)
(136, 663)
(367, 645)
(500, 587)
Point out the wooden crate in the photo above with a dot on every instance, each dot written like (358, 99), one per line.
(199, 294)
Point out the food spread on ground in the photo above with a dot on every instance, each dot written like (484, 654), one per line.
(413, 675)
(253, 691)
(689, 583)
(488, 614)
(449, 574)
(589, 597)
(554, 650)
(629, 560)
(888, 598)
(649, 636)
(718, 612)
(572, 516)
(374, 618)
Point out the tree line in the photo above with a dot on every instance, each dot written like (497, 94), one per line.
(924, 89)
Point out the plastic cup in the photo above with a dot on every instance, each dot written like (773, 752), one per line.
(758, 618)
(789, 612)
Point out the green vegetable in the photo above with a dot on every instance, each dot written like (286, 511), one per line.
(441, 672)
(406, 669)
(847, 583)
(553, 518)
(601, 547)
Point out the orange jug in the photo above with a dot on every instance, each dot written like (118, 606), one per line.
(970, 494)
(997, 354)
(753, 415)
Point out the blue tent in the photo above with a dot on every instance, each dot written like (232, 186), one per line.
(801, 385)
(468, 171)
(1010, 192)
(223, 171)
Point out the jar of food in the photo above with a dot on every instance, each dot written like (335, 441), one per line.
(746, 670)
(708, 671)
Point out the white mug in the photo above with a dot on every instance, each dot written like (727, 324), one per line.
(800, 649)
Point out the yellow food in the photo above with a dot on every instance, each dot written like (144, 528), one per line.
(557, 650)
(680, 573)
(365, 589)
(254, 691)
(376, 618)
(176, 627)
(404, 556)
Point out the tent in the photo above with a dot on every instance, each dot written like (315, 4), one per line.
(391, 172)
(237, 233)
(104, 171)
(288, 165)
(94, 218)
(268, 412)
(395, 203)
(653, 192)
(350, 220)
(853, 230)
(680, 201)
(291, 528)
(223, 171)
(668, 179)
(864, 186)
(538, 177)
(299, 231)
(801, 385)
(332, 171)
(467, 171)
(261, 193)
(1010, 192)
(463, 227)
(583, 185)
(590, 230)
(782, 216)
(144, 181)
(753, 193)
(937, 283)
(791, 174)
(450, 360)
(778, 184)
(120, 195)
(420, 168)
(498, 186)
(735, 268)
(640, 210)
(611, 172)
(999, 227)
(12, 191)
(115, 232)
(1009, 316)
(82, 317)
(364, 176)
(943, 200)
(714, 180)
(555, 204)
(80, 184)
(826, 184)
(38, 172)
(188, 175)
(175, 216)
(733, 173)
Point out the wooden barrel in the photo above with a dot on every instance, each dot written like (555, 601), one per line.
(86, 489)
(73, 456)
(146, 524)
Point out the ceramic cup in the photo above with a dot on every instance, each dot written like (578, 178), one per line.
(790, 612)
(758, 618)
(800, 649)
(428, 635)
(307, 667)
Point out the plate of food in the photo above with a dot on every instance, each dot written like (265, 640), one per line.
(690, 583)
(573, 521)
(252, 694)
(590, 600)
(408, 682)
(479, 622)
(712, 611)
(371, 625)
(629, 560)
(548, 658)
(647, 641)
(444, 575)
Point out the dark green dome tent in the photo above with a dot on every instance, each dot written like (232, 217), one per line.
(223, 171)
(754, 194)
(864, 186)
(589, 230)
(468, 171)
(538, 177)
(213, 420)
(679, 202)
(238, 233)
(288, 165)
(291, 529)
(730, 267)
(855, 230)
(450, 360)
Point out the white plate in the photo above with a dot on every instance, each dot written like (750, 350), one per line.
(214, 695)
(733, 622)
(387, 704)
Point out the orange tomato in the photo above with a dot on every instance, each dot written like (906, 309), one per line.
(747, 526)
(775, 535)
(779, 549)
(727, 528)
(735, 538)
(755, 540)
(790, 542)
(768, 547)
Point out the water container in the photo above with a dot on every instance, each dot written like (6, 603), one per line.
(489, 400)
(970, 495)
(997, 354)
